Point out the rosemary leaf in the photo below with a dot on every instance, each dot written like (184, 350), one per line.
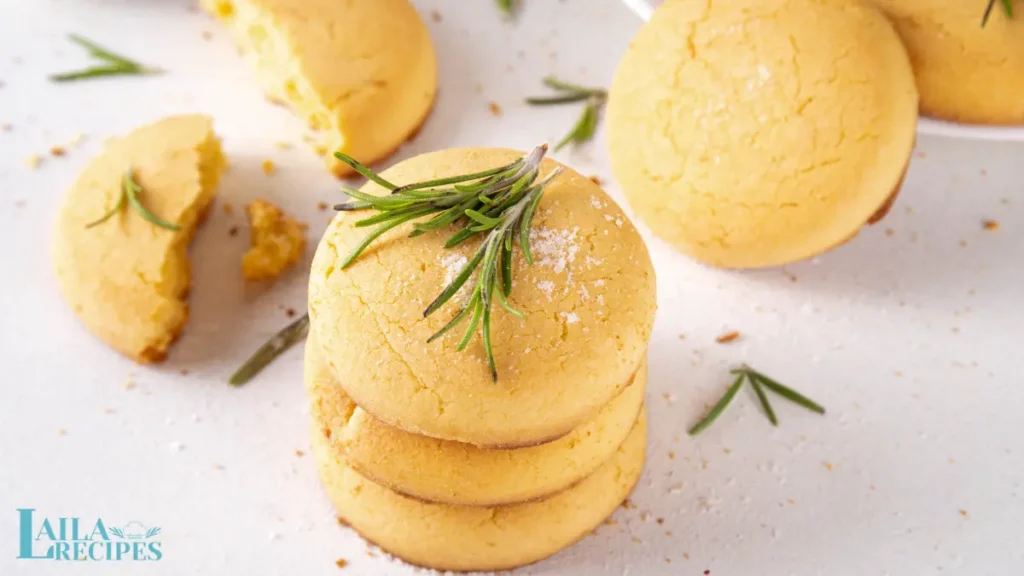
(114, 64)
(718, 408)
(763, 399)
(117, 208)
(507, 8)
(787, 393)
(366, 172)
(1007, 8)
(563, 99)
(282, 341)
(131, 190)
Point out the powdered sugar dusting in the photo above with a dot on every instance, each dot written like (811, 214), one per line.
(547, 287)
(453, 263)
(555, 249)
(570, 317)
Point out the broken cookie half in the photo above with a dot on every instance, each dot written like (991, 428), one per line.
(121, 244)
(362, 74)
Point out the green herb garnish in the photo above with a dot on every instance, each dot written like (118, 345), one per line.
(283, 340)
(585, 127)
(500, 202)
(130, 191)
(113, 64)
(759, 382)
(1007, 7)
(507, 8)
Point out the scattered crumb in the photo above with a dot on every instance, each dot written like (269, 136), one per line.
(268, 167)
(596, 180)
(478, 87)
(77, 139)
(627, 504)
(218, 467)
(610, 522)
(207, 35)
(341, 562)
(341, 521)
(276, 241)
(233, 231)
(6, 127)
(33, 161)
(728, 337)
(290, 312)
(897, 373)
(436, 16)
(183, 371)
(62, 432)
(371, 554)
(229, 208)
(668, 561)
(829, 466)
(963, 243)
(660, 520)
(671, 455)
(686, 555)
(922, 154)
(963, 513)
(300, 453)
(682, 336)
(990, 225)
(637, 540)
(791, 501)
(129, 385)
(494, 108)
(281, 144)
(110, 410)
(322, 206)
(57, 151)
(20, 203)
(890, 232)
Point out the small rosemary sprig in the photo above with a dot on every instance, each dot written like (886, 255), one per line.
(568, 93)
(283, 340)
(113, 64)
(507, 8)
(759, 382)
(130, 191)
(500, 202)
(1007, 7)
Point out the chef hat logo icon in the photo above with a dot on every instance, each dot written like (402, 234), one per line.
(135, 530)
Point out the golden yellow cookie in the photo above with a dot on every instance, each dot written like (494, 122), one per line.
(477, 538)
(126, 278)
(276, 241)
(589, 301)
(454, 473)
(964, 72)
(754, 133)
(361, 73)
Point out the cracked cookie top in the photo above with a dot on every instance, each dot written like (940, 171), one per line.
(754, 133)
(589, 301)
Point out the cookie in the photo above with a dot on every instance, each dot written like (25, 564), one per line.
(756, 133)
(462, 474)
(362, 74)
(589, 301)
(276, 241)
(476, 538)
(126, 278)
(965, 72)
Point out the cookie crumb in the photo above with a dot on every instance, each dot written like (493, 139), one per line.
(218, 467)
(183, 371)
(829, 466)
(660, 520)
(728, 337)
(207, 35)
(77, 139)
(290, 312)
(57, 151)
(63, 432)
(6, 127)
(341, 521)
(963, 513)
(229, 208)
(233, 231)
(276, 241)
(268, 167)
(33, 161)
(129, 385)
(322, 206)
(671, 455)
(990, 225)
(494, 108)
(436, 16)
(281, 144)
(341, 562)
(300, 453)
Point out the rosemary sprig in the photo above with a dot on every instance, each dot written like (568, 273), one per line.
(113, 64)
(759, 382)
(1007, 7)
(283, 340)
(507, 8)
(500, 202)
(130, 191)
(567, 93)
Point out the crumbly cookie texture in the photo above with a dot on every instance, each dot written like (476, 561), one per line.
(361, 73)
(461, 474)
(276, 241)
(589, 301)
(471, 537)
(964, 72)
(126, 279)
(754, 133)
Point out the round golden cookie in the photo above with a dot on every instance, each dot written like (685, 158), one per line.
(125, 278)
(361, 73)
(462, 474)
(964, 72)
(476, 538)
(754, 133)
(588, 299)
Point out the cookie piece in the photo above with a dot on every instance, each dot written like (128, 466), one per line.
(755, 133)
(589, 302)
(462, 474)
(361, 73)
(127, 279)
(474, 538)
(964, 72)
(276, 241)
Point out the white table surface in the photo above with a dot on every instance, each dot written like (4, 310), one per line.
(910, 335)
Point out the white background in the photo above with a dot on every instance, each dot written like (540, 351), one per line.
(910, 335)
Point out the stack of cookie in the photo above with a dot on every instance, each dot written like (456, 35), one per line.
(419, 450)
